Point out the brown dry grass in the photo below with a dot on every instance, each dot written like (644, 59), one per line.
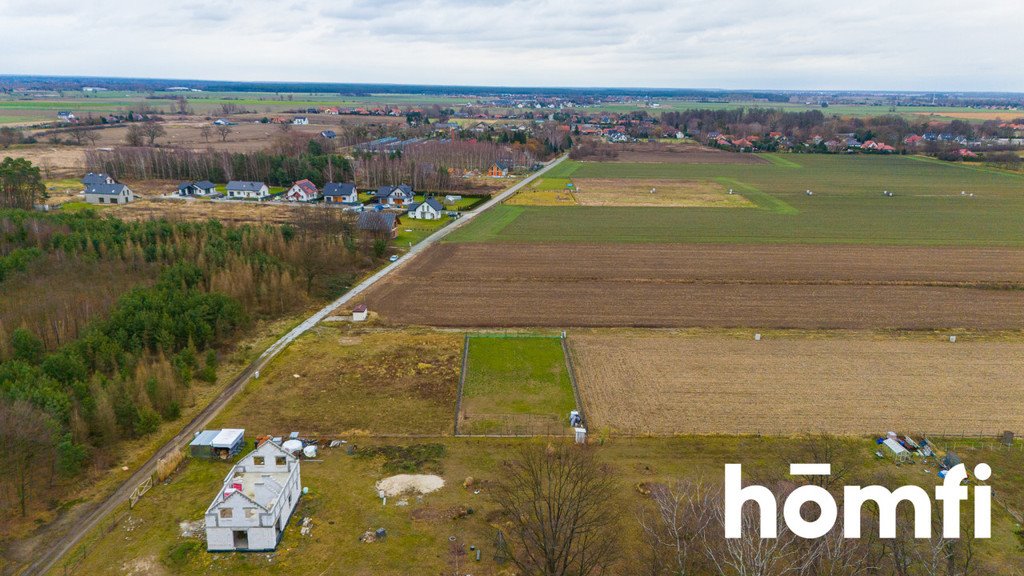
(543, 198)
(666, 193)
(852, 384)
(784, 286)
(354, 379)
(198, 210)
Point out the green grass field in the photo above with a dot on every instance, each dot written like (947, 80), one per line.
(515, 383)
(847, 206)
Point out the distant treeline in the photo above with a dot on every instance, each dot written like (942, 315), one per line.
(143, 163)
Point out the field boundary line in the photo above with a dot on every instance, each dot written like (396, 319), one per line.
(572, 378)
(777, 160)
(462, 381)
(761, 199)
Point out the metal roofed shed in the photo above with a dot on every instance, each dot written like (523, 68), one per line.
(221, 444)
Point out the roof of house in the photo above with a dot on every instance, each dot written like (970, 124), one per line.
(328, 133)
(429, 202)
(306, 186)
(503, 165)
(359, 308)
(386, 191)
(245, 185)
(202, 185)
(339, 189)
(377, 221)
(106, 189)
(95, 178)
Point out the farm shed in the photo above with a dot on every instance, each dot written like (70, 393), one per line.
(217, 443)
(253, 507)
(383, 223)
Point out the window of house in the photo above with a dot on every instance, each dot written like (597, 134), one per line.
(101, 200)
(281, 460)
(225, 512)
(250, 513)
(258, 460)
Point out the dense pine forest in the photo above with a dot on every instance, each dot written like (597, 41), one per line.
(106, 325)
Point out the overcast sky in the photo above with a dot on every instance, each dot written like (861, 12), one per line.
(778, 44)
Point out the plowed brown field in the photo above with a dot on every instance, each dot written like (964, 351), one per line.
(786, 385)
(564, 285)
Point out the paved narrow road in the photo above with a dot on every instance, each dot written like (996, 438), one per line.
(58, 547)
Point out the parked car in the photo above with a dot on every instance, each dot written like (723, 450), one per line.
(394, 258)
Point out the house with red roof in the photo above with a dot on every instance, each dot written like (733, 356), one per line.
(302, 191)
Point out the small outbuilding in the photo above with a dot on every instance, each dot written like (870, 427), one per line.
(221, 444)
(359, 313)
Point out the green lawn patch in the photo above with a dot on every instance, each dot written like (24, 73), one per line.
(780, 161)
(515, 385)
(487, 226)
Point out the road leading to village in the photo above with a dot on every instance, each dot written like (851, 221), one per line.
(59, 546)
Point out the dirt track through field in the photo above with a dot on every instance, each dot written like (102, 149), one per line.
(786, 385)
(675, 285)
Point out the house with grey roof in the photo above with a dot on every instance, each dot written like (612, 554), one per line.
(340, 193)
(108, 194)
(97, 178)
(400, 195)
(200, 188)
(258, 496)
(379, 223)
(246, 189)
(429, 209)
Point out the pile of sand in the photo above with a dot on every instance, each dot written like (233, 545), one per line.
(409, 483)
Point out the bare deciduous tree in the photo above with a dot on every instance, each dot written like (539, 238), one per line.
(152, 131)
(25, 439)
(559, 503)
(205, 132)
(224, 132)
(673, 526)
(135, 136)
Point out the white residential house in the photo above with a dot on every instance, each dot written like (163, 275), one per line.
(245, 189)
(341, 193)
(300, 120)
(201, 188)
(429, 209)
(108, 194)
(253, 507)
(302, 191)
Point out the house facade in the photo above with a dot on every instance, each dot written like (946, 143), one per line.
(245, 189)
(201, 188)
(253, 506)
(401, 195)
(429, 209)
(108, 194)
(300, 120)
(499, 169)
(340, 193)
(302, 191)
